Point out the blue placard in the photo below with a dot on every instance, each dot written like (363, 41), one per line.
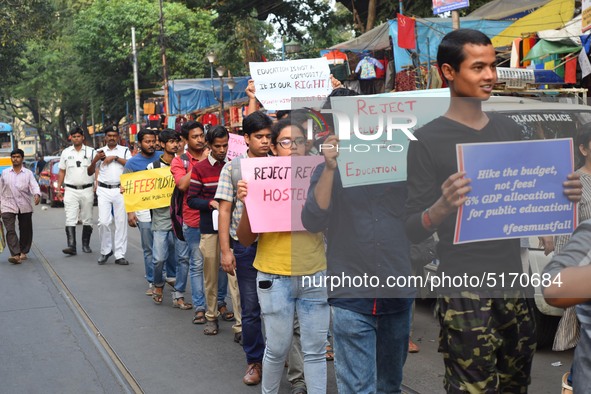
(516, 190)
(441, 6)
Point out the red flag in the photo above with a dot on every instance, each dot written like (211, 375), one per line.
(406, 32)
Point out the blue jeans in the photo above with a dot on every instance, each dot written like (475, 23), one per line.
(171, 262)
(147, 239)
(222, 287)
(193, 237)
(370, 351)
(165, 246)
(182, 269)
(253, 342)
(280, 297)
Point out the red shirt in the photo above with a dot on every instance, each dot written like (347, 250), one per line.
(177, 167)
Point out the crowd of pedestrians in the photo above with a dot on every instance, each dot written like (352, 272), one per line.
(353, 231)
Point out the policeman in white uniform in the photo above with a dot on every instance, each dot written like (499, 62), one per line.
(109, 162)
(78, 197)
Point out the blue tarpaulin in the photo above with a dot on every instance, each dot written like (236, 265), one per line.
(430, 32)
(5, 128)
(189, 95)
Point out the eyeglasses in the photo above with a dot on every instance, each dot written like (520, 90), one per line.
(287, 143)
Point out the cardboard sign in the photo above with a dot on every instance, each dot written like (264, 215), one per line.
(147, 189)
(236, 146)
(516, 190)
(276, 83)
(374, 134)
(277, 191)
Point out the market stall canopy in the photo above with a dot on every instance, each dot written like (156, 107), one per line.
(375, 39)
(553, 15)
(430, 32)
(507, 9)
(570, 34)
(545, 48)
(190, 95)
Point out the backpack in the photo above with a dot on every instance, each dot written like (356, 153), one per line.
(176, 205)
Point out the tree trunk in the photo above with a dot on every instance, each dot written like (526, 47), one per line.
(371, 14)
(356, 19)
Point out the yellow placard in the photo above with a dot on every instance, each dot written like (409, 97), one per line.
(147, 189)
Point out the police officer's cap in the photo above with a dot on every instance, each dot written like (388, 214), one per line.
(112, 128)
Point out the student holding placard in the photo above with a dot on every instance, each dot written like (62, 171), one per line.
(487, 332)
(283, 259)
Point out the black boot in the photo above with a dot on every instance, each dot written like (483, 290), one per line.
(86, 231)
(71, 236)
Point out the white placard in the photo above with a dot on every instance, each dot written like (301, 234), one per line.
(276, 83)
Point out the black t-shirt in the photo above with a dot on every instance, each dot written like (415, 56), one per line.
(431, 160)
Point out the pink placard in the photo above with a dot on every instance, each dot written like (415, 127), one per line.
(277, 191)
(236, 146)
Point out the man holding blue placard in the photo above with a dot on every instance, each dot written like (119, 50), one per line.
(487, 333)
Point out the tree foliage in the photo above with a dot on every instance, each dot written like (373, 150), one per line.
(102, 35)
(20, 20)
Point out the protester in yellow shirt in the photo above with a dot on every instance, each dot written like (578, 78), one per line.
(291, 266)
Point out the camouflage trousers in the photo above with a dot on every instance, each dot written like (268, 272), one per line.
(487, 344)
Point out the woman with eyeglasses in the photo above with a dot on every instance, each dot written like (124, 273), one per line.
(283, 260)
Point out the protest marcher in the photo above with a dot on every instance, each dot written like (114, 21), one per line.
(17, 187)
(75, 174)
(365, 236)
(237, 259)
(204, 182)
(165, 242)
(569, 331)
(142, 219)
(487, 335)
(282, 260)
(568, 328)
(193, 134)
(109, 161)
(568, 286)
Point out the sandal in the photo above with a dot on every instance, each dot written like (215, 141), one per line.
(211, 327)
(329, 353)
(225, 314)
(181, 304)
(157, 295)
(412, 347)
(199, 317)
(15, 259)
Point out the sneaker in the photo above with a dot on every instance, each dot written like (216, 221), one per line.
(150, 290)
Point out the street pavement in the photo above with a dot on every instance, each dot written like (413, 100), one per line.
(68, 325)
